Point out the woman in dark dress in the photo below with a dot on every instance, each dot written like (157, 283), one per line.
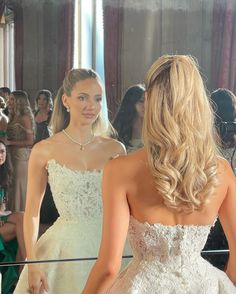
(44, 104)
(129, 118)
(224, 104)
(43, 114)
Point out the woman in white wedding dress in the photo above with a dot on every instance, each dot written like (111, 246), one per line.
(168, 195)
(72, 161)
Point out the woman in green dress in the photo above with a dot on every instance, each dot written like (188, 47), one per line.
(11, 228)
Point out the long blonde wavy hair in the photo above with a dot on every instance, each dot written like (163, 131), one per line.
(61, 118)
(21, 107)
(179, 133)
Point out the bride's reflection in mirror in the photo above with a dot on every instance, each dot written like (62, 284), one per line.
(72, 160)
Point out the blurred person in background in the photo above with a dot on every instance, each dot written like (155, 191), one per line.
(12, 246)
(43, 114)
(20, 139)
(5, 93)
(3, 119)
(224, 106)
(128, 121)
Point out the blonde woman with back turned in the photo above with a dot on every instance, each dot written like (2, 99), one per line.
(72, 160)
(168, 194)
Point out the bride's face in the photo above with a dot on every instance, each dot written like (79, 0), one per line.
(85, 101)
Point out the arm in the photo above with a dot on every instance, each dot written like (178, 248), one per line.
(228, 220)
(27, 124)
(4, 122)
(115, 226)
(36, 185)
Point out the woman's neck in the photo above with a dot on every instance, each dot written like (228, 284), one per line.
(43, 111)
(137, 128)
(80, 133)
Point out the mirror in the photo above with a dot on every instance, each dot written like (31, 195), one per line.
(140, 32)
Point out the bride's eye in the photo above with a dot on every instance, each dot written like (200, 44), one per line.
(81, 98)
(99, 99)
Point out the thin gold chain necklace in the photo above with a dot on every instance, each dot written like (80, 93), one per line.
(78, 143)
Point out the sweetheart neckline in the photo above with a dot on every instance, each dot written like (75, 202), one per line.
(89, 171)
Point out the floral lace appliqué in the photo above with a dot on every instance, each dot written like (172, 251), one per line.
(167, 260)
(77, 194)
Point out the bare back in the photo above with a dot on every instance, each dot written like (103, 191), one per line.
(146, 204)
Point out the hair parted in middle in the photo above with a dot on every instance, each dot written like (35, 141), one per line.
(48, 95)
(126, 114)
(179, 133)
(60, 117)
(21, 107)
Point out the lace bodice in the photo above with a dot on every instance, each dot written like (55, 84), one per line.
(77, 194)
(167, 244)
(167, 260)
(75, 234)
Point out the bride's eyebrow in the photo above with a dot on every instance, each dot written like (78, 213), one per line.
(82, 93)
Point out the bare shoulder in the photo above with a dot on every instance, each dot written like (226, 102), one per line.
(113, 147)
(25, 118)
(128, 164)
(223, 165)
(41, 151)
(3, 122)
(225, 170)
(45, 148)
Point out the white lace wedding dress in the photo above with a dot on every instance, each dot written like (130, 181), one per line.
(75, 234)
(167, 261)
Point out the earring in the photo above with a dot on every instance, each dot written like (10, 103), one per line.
(67, 109)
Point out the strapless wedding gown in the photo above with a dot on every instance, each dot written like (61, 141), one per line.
(167, 260)
(75, 234)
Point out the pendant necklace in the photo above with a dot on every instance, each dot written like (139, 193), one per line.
(78, 143)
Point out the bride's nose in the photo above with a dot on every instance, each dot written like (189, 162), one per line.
(90, 104)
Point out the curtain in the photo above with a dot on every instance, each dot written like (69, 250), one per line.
(65, 23)
(136, 34)
(2, 7)
(224, 45)
(57, 43)
(19, 44)
(113, 27)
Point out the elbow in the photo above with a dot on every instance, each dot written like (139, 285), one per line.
(113, 270)
(110, 270)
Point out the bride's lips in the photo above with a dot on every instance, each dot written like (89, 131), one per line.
(89, 115)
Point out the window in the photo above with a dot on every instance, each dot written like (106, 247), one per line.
(7, 72)
(89, 39)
